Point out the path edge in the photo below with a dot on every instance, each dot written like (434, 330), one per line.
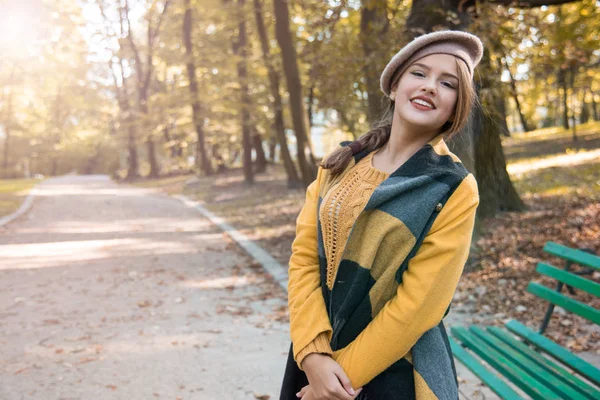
(270, 264)
(23, 208)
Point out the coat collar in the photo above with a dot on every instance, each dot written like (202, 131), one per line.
(423, 155)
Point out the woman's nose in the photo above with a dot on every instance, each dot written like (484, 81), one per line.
(429, 88)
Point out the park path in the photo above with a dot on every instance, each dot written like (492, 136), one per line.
(115, 292)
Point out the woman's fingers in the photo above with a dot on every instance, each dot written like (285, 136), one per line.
(357, 392)
(344, 380)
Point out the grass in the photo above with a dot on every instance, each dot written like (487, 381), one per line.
(548, 162)
(12, 193)
(170, 185)
(550, 141)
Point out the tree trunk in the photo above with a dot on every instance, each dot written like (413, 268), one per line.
(202, 161)
(584, 115)
(290, 65)
(151, 148)
(478, 145)
(144, 76)
(562, 81)
(216, 154)
(500, 105)
(373, 18)
(495, 188)
(573, 97)
(261, 160)
(311, 100)
(122, 95)
(132, 159)
(239, 48)
(427, 14)
(594, 107)
(515, 95)
(272, 149)
(278, 124)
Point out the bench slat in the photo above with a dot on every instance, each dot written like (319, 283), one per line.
(574, 255)
(569, 279)
(560, 353)
(551, 367)
(528, 365)
(507, 368)
(565, 302)
(497, 385)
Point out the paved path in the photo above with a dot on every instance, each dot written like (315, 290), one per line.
(110, 292)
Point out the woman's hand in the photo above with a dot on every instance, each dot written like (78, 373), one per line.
(327, 380)
(307, 394)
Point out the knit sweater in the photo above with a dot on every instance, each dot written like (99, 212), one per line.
(339, 210)
(396, 278)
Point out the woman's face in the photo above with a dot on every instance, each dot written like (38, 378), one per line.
(426, 94)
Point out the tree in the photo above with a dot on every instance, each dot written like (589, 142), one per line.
(202, 160)
(144, 73)
(373, 26)
(117, 67)
(497, 192)
(240, 49)
(278, 124)
(290, 66)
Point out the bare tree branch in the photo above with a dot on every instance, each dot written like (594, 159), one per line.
(152, 34)
(136, 52)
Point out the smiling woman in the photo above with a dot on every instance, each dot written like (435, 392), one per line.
(383, 237)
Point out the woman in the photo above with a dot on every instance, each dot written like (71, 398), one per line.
(383, 237)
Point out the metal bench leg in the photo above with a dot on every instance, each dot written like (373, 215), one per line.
(559, 287)
(550, 309)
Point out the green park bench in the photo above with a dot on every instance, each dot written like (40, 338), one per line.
(518, 356)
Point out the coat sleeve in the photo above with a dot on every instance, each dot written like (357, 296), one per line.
(310, 328)
(424, 295)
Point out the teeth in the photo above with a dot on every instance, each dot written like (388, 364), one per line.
(422, 102)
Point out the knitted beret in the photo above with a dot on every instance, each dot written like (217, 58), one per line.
(465, 46)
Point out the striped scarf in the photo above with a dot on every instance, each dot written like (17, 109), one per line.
(368, 277)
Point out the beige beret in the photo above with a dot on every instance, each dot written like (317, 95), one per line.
(463, 45)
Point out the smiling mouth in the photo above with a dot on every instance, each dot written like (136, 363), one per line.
(423, 103)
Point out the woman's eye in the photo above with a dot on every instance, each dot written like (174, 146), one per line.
(418, 73)
(449, 85)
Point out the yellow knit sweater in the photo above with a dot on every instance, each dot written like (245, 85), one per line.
(426, 290)
(341, 206)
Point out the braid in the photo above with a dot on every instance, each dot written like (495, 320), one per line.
(338, 160)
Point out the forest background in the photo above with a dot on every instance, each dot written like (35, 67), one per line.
(234, 101)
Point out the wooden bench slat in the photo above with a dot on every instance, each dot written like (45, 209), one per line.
(569, 279)
(496, 384)
(510, 370)
(560, 353)
(528, 365)
(574, 255)
(565, 302)
(553, 368)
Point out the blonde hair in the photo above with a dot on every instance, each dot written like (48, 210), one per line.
(338, 160)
